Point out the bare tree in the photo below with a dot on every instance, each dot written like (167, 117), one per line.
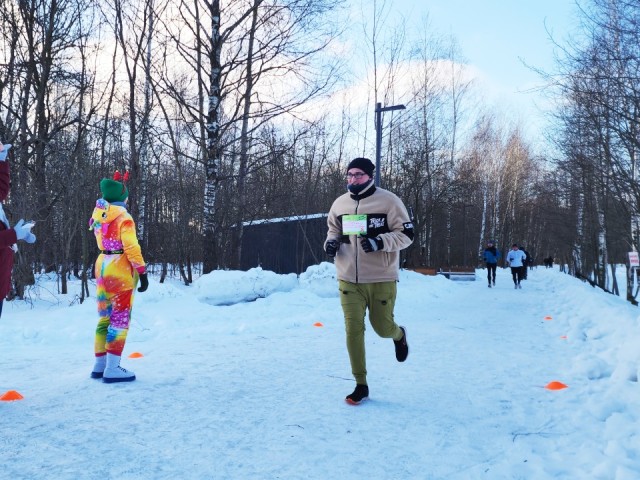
(599, 82)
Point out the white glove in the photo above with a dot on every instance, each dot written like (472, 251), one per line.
(4, 152)
(23, 231)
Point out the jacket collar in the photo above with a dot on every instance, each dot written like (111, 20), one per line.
(367, 192)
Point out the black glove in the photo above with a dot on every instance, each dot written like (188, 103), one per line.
(144, 283)
(371, 244)
(332, 247)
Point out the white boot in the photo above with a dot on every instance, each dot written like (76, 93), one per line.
(114, 372)
(99, 366)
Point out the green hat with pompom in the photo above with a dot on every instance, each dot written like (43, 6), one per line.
(114, 190)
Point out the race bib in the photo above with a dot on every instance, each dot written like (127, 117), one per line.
(354, 224)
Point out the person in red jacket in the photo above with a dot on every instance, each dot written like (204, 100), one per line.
(8, 236)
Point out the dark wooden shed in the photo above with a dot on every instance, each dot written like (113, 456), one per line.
(284, 245)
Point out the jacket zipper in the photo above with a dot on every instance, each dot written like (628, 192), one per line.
(356, 245)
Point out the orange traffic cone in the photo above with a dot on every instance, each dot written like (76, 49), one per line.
(555, 385)
(136, 355)
(318, 324)
(10, 396)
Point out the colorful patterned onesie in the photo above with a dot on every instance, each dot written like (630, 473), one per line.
(116, 274)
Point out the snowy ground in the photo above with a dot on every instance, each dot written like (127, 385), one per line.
(236, 382)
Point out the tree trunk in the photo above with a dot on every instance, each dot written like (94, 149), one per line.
(244, 143)
(214, 153)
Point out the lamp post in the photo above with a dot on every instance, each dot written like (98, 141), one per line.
(379, 110)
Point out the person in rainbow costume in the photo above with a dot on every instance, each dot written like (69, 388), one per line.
(118, 268)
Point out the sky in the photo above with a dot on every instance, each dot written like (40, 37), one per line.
(499, 38)
(243, 376)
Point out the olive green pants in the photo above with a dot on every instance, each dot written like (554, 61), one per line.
(355, 298)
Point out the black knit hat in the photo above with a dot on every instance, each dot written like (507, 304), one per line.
(363, 164)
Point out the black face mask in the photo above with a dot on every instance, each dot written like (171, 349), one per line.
(356, 189)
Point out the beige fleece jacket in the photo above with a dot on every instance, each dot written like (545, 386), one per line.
(387, 218)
